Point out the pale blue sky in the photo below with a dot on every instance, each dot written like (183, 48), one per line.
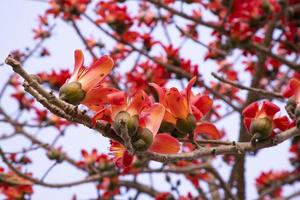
(17, 18)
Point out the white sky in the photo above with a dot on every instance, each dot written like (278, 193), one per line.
(17, 18)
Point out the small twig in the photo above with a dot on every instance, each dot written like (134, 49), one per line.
(256, 90)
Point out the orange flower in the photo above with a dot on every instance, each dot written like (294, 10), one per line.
(84, 86)
(184, 110)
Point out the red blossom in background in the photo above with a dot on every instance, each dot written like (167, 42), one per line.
(145, 92)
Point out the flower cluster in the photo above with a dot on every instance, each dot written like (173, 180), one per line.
(14, 187)
(151, 125)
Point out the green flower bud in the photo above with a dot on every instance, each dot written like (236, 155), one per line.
(143, 139)
(131, 122)
(178, 134)
(72, 93)
(262, 128)
(297, 111)
(132, 125)
(186, 125)
(291, 101)
(122, 116)
(55, 155)
(165, 127)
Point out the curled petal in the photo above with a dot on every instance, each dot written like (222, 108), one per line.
(207, 129)
(160, 91)
(103, 114)
(197, 113)
(282, 123)
(96, 73)
(164, 143)
(250, 110)
(169, 117)
(139, 101)
(269, 108)
(79, 59)
(294, 84)
(177, 104)
(247, 122)
(189, 92)
(98, 95)
(152, 117)
(203, 103)
(78, 66)
(117, 98)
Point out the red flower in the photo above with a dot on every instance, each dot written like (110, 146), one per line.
(185, 107)
(84, 86)
(261, 117)
(293, 90)
(40, 33)
(266, 179)
(55, 79)
(71, 9)
(17, 191)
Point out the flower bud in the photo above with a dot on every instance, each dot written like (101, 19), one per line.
(143, 139)
(178, 134)
(297, 111)
(165, 127)
(292, 102)
(122, 116)
(261, 126)
(55, 155)
(131, 122)
(72, 93)
(132, 125)
(186, 125)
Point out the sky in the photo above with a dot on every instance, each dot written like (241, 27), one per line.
(17, 18)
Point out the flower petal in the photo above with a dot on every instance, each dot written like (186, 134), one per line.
(294, 84)
(203, 103)
(270, 108)
(78, 66)
(247, 122)
(79, 59)
(164, 143)
(207, 129)
(98, 95)
(152, 117)
(139, 101)
(282, 123)
(177, 103)
(250, 110)
(96, 72)
(160, 91)
(189, 92)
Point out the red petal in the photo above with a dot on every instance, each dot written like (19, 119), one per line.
(250, 110)
(79, 59)
(96, 73)
(152, 118)
(189, 91)
(288, 92)
(98, 95)
(282, 123)
(294, 84)
(208, 129)
(177, 103)
(203, 103)
(247, 122)
(197, 113)
(139, 101)
(159, 90)
(164, 143)
(270, 108)
(127, 159)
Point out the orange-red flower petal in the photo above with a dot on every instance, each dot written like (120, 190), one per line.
(164, 143)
